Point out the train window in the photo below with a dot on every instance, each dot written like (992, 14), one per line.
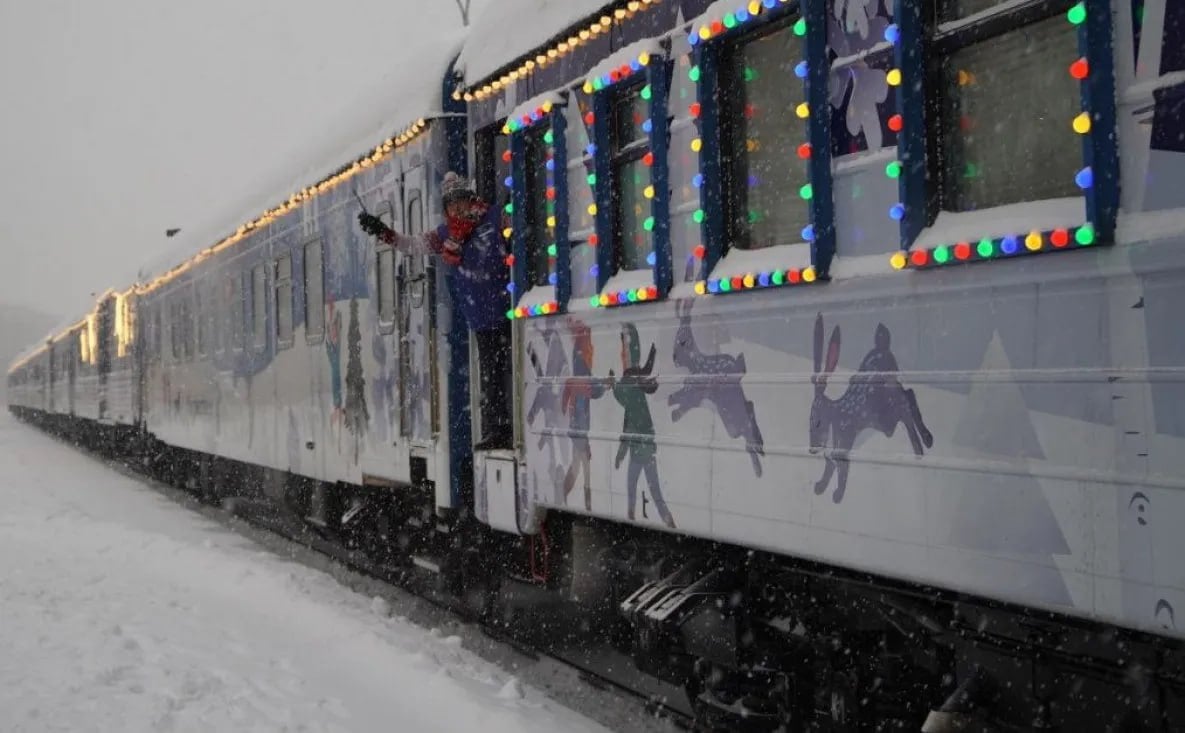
(990, 150)
(415, 212)
(283, 281)
(314, 291)
(630, 177)
(537, 237)
(385, 273)
(234, 309)
(762, 172)
(582, 227)
(258, 307)
(203, 304)
(491, 163)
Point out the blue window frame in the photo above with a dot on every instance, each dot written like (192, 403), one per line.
(764, 143)
(538, 208)
(1000, 104)
(632, 188)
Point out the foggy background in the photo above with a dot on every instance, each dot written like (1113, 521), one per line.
(124, 118)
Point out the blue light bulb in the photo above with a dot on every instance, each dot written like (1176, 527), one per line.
(550, 165)
(800, 70)
(897, 212)
(594, 270)
(763, 279)
(509, 182)
(742, 15)
(551, 279)
(698, 180)
(892, 33)
(1009, 245)
(510, 287)
(651, 259)
(808, 233)
(1085, 178)
(647, 125)
(591, 149)
(713, 286)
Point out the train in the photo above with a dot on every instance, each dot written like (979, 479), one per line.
(849, 379)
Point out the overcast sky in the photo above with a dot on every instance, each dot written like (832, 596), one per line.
(126, 117)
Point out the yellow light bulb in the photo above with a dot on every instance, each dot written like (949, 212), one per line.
(592, 209)
(803, 110)
(1033, 241)
(808, 275)
(754, 7)
(897, 261)
(1082, 123)
(700, 288)
(697, 145)
(648, 192)
(893, 77)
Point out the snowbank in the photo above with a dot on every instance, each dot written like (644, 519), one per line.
(124, 611)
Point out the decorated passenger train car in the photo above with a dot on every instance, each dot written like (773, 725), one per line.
(889, 287)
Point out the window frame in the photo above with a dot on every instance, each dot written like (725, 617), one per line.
(915, 53)
(386, 212)
(656, 74)
(708, 61)
(313, 338)
(552, 121)
(731, 107)
(259, 309)
(281, 301)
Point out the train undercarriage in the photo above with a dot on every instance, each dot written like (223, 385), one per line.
(740, 640)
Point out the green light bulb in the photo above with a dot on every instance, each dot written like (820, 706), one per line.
(893, 170)
(698, 216)
(551, 250)
(942, 255)
(646, 92)
(648, 225)
(806, 192)
(985, 248)
(1084, 235)
(800, 27)
(509, 208)
(1077, 14)
(694, 73)
(549, 137)
(592, 179)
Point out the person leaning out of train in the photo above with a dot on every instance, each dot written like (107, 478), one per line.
(470, 242)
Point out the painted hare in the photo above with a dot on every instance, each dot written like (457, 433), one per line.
(716, 380)
(874, 400)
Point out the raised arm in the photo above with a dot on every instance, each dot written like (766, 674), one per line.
(422, 244)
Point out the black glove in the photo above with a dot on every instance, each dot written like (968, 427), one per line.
(371, 224)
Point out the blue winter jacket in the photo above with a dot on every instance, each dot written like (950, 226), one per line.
(479, 282)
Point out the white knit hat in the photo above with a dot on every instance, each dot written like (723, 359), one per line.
(454, 188)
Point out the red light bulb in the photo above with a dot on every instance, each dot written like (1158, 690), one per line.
(962, 250)
(804, 151)
(919, 257)
(1080, 69)
(896, 123)
(1060, 237)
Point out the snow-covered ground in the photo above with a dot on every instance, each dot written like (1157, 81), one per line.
(121, 610)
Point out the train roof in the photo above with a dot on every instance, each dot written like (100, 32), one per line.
(490, 48)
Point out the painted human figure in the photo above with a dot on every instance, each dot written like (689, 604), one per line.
(576, 401)
(637, 430)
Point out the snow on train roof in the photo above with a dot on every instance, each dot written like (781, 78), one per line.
(388, 106)
(535, 22)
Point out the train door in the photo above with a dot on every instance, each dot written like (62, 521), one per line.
(419, 378)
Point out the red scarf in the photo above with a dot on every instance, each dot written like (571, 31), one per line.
(461, 227)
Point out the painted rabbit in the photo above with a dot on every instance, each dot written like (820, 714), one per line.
(874, 399)
(716, 379)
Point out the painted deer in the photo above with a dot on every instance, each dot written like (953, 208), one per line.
(716, 379)
(873, 400)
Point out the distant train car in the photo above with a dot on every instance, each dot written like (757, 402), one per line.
(847, 372)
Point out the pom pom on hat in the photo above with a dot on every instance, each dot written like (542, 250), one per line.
(455, 188)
